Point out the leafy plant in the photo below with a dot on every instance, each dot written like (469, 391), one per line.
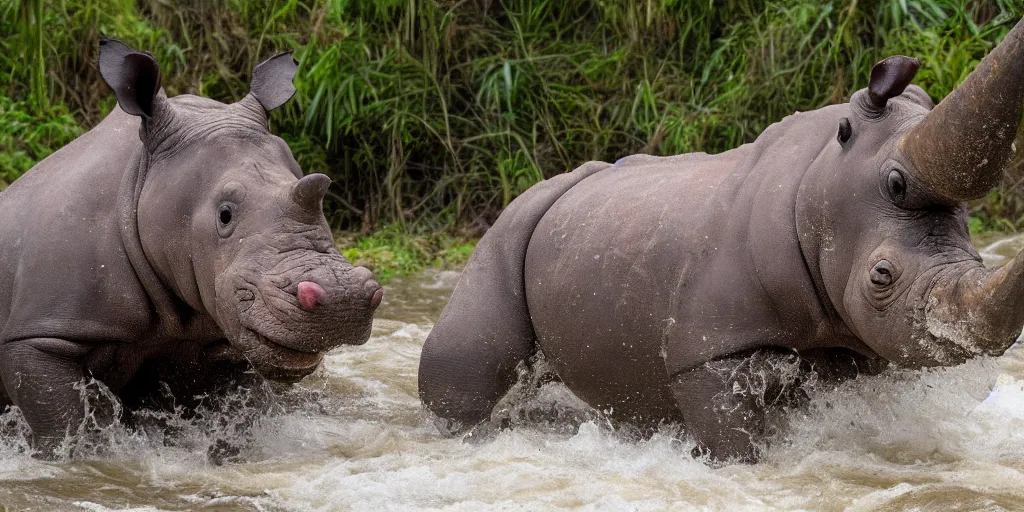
(438, 113)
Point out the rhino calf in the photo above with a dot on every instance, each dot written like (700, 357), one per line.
(177, 236)
(698, 288)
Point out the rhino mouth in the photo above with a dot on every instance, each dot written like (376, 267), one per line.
(276, 361)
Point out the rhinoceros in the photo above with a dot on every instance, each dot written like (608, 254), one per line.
(696, 289)
(176, 241)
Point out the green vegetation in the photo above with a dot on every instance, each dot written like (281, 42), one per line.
(396, 250)
(434, 114)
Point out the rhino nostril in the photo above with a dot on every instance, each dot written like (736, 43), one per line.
(882, 273)
(245, 299)
(377, 297)
(308, 294)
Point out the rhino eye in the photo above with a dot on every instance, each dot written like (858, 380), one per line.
(225, 215)
(897, 186)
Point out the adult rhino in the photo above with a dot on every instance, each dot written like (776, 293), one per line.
(176, 241)
(693, 288)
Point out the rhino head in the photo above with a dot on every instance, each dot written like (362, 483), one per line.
(229, 227)
(882, 214)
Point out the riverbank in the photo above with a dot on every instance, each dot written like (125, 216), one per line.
(440, 113)
(398, 251)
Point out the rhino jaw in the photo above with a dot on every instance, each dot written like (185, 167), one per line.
(278, 362)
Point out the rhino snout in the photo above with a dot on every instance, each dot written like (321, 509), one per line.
(311, 295)
(369, 286)
(286, 317)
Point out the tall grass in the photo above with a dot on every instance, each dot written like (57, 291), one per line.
(440, 112)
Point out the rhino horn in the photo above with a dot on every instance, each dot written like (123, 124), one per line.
(961, 147)
(980, 310)
(309, 191)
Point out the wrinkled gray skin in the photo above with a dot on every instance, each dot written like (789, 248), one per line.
(701, 288)
(176, 244)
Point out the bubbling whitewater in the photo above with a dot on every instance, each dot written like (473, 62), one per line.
(353, 436)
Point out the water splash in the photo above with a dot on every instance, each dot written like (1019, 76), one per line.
(354, 436)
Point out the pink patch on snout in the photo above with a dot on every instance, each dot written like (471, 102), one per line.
(377, 297)
(309, 293)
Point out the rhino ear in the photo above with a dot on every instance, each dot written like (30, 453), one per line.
(133, 76)
(890, 77)
(272, 81)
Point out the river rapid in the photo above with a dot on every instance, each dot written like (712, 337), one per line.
(353, 436)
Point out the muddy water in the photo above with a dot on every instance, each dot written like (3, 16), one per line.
(353, 437)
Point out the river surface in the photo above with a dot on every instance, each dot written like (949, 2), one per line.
(353, 436)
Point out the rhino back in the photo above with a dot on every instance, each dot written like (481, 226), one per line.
(597, 277)
(63, 269)
(658, 264)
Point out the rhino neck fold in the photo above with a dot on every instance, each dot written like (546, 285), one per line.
(811, 225)
(807, 218)
(174, 317)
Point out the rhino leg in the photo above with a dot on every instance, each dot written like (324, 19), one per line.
(469, 359)
(725, 402)
(39, 375)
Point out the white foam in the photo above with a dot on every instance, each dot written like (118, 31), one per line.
(354, 436)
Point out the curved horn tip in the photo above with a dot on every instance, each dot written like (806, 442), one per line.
(960, 148)
(310, 188)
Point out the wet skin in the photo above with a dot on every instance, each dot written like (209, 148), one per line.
(703, 289)
(178, 239)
